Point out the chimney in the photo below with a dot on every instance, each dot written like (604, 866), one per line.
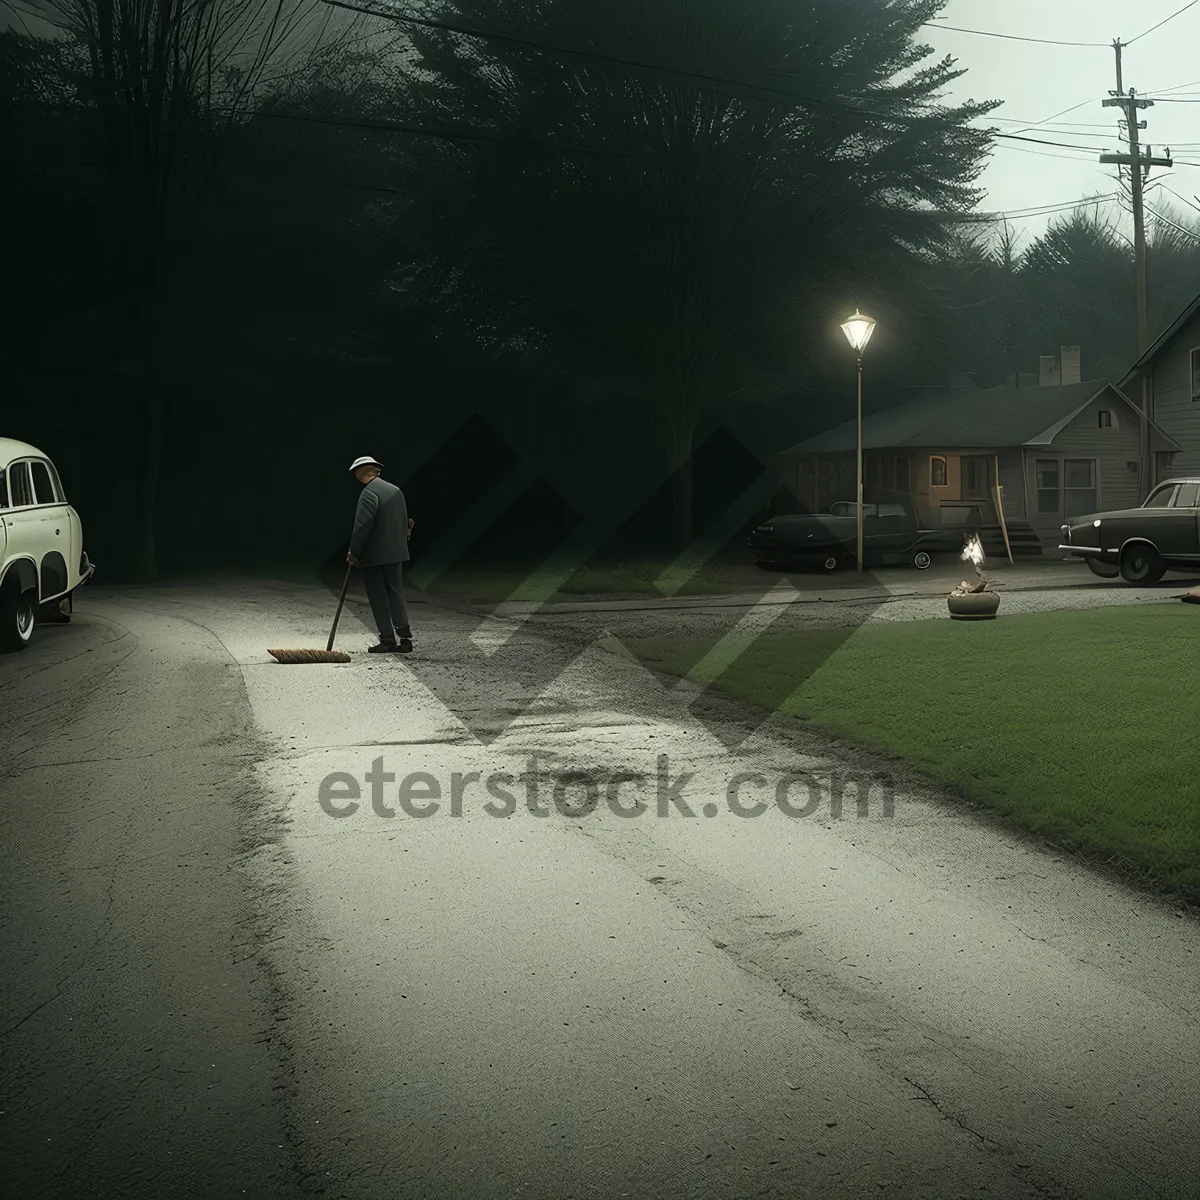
(1048, 373)
(1070, 365)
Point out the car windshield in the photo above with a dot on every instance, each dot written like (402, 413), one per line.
(3, 489)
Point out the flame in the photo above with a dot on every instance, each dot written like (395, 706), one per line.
(973, 551)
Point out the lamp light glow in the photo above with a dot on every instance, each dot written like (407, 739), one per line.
(858, 330)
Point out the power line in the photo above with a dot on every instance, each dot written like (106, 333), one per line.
(1061, 113)
(1012, 37)
(1045, 154)
(1179, 197)
(1174, 225)
(526, 43)
(1047, 210)
(1190, 4)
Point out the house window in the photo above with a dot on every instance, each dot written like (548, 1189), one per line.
(937, 472)
(1047, 471)
(1196, 373)
(971, 475)
(1105, 418)
(902, 479)
(1079, 477)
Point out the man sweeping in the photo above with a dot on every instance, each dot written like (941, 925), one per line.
(379, 544)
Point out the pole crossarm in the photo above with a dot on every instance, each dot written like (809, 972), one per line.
(1128, 160)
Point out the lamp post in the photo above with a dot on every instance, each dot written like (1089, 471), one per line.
(858, 330)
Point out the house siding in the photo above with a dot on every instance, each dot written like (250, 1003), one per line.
(1113, 449)
(1173, 408)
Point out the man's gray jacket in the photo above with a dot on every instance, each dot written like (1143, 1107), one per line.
(380, 525)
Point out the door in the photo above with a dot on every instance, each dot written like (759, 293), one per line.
(976, 472)
(55, 530)
(1178, 528)
(24, 521)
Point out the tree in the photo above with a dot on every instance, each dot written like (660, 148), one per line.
(163, 84)
(693, 226)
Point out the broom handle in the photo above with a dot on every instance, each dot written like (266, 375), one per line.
(337, 615)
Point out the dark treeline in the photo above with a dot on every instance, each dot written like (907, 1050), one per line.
(248, 241)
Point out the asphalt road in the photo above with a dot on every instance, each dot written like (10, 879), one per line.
(213, 987)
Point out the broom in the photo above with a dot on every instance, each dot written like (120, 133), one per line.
(329, 654)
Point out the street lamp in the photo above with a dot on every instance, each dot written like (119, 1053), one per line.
(858, 330)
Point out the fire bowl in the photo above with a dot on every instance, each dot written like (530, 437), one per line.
(975, 606)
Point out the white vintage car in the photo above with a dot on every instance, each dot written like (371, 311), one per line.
(42, 560)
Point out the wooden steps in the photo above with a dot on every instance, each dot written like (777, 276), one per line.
(1023, 539)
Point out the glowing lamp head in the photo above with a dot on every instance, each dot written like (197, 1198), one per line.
(858, 331)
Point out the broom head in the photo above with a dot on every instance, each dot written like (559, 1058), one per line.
(309, 656)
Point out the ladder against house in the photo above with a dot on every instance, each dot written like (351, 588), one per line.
(1022, 537)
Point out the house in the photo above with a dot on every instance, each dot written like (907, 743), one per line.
(1057, 447)
(1169, 372)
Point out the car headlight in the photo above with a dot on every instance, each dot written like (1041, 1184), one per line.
(1096, 522)
(765, 529)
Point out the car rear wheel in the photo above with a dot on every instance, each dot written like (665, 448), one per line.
(1104, 569)
(18, 615)
(830, 563)
(1141, 564)
(921, 560)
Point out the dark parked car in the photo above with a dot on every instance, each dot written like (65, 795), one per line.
(1140, 544)
(891, 531)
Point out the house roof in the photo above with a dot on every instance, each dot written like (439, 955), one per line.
(1164, 340)
(967, 418)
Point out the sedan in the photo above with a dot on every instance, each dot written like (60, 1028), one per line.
(1141, 544)
(42, 559)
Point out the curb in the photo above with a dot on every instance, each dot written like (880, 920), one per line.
(751, 600)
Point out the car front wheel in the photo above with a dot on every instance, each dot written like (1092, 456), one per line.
(921, 560)
(1141, 564)
(1105, 570)
(18, 615)
(830, 563)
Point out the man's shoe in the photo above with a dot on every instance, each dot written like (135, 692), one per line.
(405, 646)
(382, 648)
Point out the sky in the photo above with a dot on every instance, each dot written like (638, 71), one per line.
(1037, 81)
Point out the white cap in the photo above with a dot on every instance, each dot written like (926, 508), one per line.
(365, 461)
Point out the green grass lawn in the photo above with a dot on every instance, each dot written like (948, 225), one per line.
(1082, 725)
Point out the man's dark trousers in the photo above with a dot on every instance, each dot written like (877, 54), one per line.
(380, 543)
(385, 590)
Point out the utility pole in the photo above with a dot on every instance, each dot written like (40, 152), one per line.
(1139, 166)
